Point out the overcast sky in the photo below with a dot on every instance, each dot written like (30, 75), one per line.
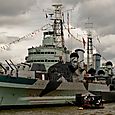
(21, 17)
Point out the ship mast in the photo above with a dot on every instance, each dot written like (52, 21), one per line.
(89, 46)
(89, 51)
(58, 26)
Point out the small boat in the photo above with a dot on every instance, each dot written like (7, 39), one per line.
(89, 101)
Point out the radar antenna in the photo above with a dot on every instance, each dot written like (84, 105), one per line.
(58, 25)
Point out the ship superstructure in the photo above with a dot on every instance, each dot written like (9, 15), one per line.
(53, 48)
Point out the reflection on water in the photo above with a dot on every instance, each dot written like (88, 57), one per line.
(109, 109)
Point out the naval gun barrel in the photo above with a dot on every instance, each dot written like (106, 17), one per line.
(26, 64)
(14, 67)
(5, 70)
(10, 67)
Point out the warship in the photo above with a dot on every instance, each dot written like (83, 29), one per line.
(50, 74)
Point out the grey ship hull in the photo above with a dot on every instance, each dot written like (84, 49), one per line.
(36, 94)
(101, 89)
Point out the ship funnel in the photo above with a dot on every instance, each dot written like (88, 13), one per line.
(80, 52)
(109, 66)
(96, 61)
(74, 59)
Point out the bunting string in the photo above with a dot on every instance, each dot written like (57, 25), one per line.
(28, 36)
(84, 42)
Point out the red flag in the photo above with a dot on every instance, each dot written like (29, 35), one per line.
(83, 42)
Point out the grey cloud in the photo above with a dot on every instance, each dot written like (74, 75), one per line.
(28, 13)
(15, 20)
(7, 39)
(15, 12)
(102, 14)
(73, 2)
(71, 44)
(106, 30)
(15, 7)
(106, 47)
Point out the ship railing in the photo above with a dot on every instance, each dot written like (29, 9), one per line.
(96, 79)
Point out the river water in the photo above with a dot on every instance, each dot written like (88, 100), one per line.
(109, 109)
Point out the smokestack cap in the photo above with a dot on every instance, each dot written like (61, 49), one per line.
(109, 63)
(74, 54)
